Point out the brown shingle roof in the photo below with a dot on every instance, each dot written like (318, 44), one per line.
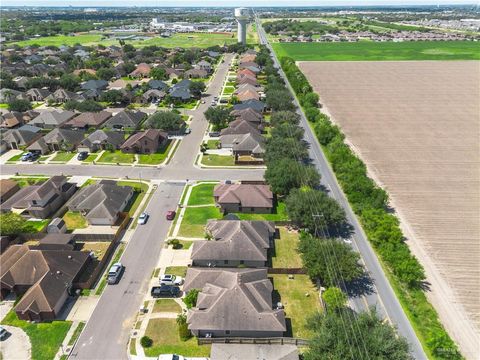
(90, 119)
(246, 195)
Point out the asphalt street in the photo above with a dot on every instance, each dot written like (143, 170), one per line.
(383, 296)
(107, 332)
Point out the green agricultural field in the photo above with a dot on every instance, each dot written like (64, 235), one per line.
(58, 40)
(376, 51)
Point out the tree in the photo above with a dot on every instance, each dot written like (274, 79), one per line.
(285, 174)
(278, 148)
(191, 298)
(329, 260)
(279, 100)
(165, 120)
(84, 106)
(281, 117)
(105, 73)
(196, 88)
(345, 335)
(310, 99)
(20, 105)
(218, 116)
(112, 96)
(158, 73)
(69, 82)
(334, 298)
(14, 224)
(287, 130)
(313, 209)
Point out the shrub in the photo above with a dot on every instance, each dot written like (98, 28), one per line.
(19, 105)
(146, 342)
(191, 298)
(183, 331)
(175, 243)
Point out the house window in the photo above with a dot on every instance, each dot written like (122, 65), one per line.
(242, 262)
(227, 332)
(252, 209)
(225, 262)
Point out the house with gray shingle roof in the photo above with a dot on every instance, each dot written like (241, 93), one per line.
(247, 198)
(125, 119)
(58, 139)
(102, 140)
(233, 243)
(233, 303)
(17, 138)
(101, 203)
(52, 119)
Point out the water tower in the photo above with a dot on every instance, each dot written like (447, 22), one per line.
(242, 15)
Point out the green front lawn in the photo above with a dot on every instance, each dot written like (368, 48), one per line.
(75, 220)
(90, 158)
(140, 191)
(76, 333)
(202, 194)
(218, 160)
(300, 298)
(280, 214)
(228, 90)
(212, 144)
(39, 225)
(26, 181)
(195, 219)
(16, 157)
(176, 270)
(166, 305)
(157, 157)
(62, 156)
(286, 254)
(117, 157)
(3, 106)
(46, 338)
(164, 333)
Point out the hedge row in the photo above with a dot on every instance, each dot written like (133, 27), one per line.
(369, 202)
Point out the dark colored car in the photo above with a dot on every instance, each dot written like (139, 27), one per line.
(82, 155)
(171, 215)
(165, 291)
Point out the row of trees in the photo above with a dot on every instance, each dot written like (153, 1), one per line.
(369, 202)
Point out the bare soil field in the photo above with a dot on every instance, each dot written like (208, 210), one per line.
(416, 126)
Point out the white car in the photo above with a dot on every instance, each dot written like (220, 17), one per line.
(3, 333)
(171, 280)
(142, 219)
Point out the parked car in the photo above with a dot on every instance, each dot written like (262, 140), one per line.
(3, 333)
(171, 215)
(114, 273)
(214, 103)
(214, 134)
(188, 131)
(165, 291)
(168, 279)
(34, 157)
(82, 155)
(142, 219)
(27, 156)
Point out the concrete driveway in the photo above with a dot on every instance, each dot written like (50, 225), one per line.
(17, 345)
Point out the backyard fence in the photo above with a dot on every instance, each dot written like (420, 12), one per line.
(265, 341)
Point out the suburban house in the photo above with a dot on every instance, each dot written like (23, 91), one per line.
(62, 96)
(11, 120)
(89, 119)
(253, 104)
(52, 119)
(42, 278)
(248, 114)
(37, 94)
(153, 95)
(248, 198)
(101, 203)
(8, 95)
(58, 139)
(144, 142)
(247, 80)
(41, 201)
(125, 119)
(94, 85)
(204, 65)
(181, 90)
(233, 243)
(196, 74)
(240, 127)
(102, 140)
(17, 138)
(253, 351)
(142, 70)
(248, 87)
(248, 95)
(248, 144)
(233, 303)
(8, 187)
(158, 85)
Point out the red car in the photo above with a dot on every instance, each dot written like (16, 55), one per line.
(171, 215)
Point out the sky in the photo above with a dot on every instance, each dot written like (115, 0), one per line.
(248, 3)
